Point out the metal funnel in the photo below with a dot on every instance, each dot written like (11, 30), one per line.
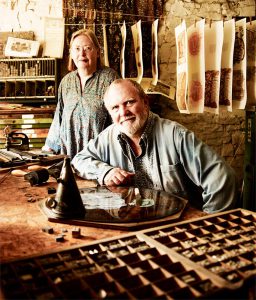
(68, 202)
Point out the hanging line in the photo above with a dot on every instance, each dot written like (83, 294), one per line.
(112, 14)
(196, 18)
(90, 14)
(106, 24)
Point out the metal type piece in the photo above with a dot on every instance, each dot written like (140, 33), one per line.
(48, 229)
(76, 232)
(59, 238)
(67, 202)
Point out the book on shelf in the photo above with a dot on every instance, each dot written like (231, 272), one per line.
(16, 127)
(25, 116)
(26, 121)
(15, 108)
(36, 145)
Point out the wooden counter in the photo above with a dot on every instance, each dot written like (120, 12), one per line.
(22, 221)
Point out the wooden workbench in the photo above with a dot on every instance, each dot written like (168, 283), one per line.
(22, 222)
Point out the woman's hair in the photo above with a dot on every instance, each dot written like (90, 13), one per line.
(92, 37)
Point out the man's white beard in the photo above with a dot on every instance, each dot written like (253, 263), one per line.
(136, 126)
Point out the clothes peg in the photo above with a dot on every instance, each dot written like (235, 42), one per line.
(90, 14)
(103, 17)
(75, 12)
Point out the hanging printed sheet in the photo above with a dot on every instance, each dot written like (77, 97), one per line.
(98, 30)
(114, 39)
(137, 40)
(105, 45)
(196, 67)
(146, 37)
(225, 96)
(54, 34)
(182, 66)
(154, 56)
(239, 66)
(251, 62)
(122, 57)
(129, 54)
(213, 40)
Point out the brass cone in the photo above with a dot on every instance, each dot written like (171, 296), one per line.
(68, 202)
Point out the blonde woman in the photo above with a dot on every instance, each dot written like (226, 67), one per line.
(80, 113)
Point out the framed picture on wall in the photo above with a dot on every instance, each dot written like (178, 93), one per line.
(28, 35)
(21, 47)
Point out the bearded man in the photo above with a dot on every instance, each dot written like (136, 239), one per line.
(146, 151)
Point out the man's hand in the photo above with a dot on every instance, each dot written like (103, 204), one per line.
(118, 176)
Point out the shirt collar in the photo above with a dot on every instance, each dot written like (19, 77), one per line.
(86, 77)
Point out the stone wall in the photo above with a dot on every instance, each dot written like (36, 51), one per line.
(223, 132)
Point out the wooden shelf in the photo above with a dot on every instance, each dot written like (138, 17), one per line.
(28, 80)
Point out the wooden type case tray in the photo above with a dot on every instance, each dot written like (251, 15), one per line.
(201, 258)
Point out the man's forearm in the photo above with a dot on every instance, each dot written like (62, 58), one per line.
(89, 168)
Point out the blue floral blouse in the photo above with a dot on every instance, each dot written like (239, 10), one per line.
(80, 115)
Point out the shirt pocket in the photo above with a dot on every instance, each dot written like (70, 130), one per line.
(173, 178)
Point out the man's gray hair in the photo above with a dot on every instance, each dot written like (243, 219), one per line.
(134, 83)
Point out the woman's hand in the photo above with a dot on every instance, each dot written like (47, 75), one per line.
(45, 148)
